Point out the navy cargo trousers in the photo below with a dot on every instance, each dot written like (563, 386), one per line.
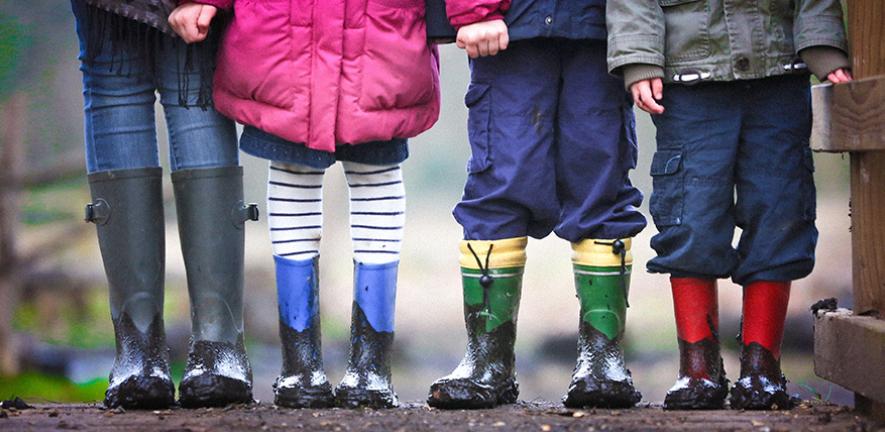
(735, 154)
(552, 140)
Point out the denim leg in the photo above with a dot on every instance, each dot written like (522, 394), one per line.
(775, 184)
(595, 149)
(118, 108)
(198, 138)
(511, 186)
(692, 202)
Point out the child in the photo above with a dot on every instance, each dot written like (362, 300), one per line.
(552, 141)
(732, 109)
(129, 54)
(315, 83)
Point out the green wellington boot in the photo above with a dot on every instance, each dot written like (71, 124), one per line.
(602, 279)
(127, 209)
(492, 281)
(211, 218)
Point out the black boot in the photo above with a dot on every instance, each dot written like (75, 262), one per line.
(211, 216)
(127, 208)
(367, 381)
(302, 382)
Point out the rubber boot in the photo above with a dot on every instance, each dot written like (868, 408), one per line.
(367, 379)
(762, 385)
(491, 273)
(702, 384)
(211, 217)
(302, 382)
(127, 209)
(602, 280)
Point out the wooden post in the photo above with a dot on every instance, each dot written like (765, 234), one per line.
(12, 128)
(850, 347)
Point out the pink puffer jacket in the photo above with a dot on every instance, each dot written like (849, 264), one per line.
(327, 72)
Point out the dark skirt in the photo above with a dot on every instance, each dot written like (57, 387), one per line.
(261, 144)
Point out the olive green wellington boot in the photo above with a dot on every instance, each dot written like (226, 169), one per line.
(211, 219)
(602, 279)
(127, 209)
(492, 281)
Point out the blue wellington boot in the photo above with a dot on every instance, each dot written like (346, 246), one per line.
(302, 382)
(367, 380)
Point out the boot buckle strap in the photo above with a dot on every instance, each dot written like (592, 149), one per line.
(245, 212)
(97, 212)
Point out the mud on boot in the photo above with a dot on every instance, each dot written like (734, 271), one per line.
(140, 376)
(302, 382)
(762, 385)
(702, 384)
(217, 374)
(602, 281)
(600, 379)
(127, 210)
(367, 380)
(492, 282)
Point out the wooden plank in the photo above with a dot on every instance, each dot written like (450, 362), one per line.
(866, 30)
(850, 351)
(868, 232)
(849, 117)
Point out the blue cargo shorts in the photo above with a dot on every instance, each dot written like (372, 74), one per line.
(735, 154)
(552, 140)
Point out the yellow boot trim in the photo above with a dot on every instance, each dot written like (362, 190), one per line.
(506, 253)
(598, 253)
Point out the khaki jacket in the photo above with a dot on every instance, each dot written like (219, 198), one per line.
(720, 40)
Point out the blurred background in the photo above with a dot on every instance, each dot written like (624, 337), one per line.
(56, 338)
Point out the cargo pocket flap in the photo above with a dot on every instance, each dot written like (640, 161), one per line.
(475, 93)
(666, 163)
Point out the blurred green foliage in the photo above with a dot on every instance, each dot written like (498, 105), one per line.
(14, 41)
(36, 387)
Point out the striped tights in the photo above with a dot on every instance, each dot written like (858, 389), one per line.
(377, 211)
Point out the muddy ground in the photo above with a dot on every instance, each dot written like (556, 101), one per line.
(525, 416)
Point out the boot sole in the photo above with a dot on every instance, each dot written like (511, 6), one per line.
(209, 390)
(141, 392)
(316, 397)
(606, 394)
(469, 395)
(357, 397)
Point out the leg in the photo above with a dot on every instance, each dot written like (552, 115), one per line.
(295, 216)
(510, 194)
(377, 217)
(127, 208)
(596, 149)
(692, 205)
(208, 188)
(775, 209)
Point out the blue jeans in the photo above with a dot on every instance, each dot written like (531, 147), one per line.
(735, 154)
(119, 95)
(552, 143)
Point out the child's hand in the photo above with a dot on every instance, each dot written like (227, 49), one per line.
(646, 93)
(484, 38)
(191, 21)
(840, 76)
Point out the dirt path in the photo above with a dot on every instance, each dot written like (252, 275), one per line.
(526, 416)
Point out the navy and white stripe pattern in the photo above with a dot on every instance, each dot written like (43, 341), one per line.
(377, 211)
(295, 210)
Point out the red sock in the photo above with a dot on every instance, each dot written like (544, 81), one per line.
(697, 308)
(765, 309)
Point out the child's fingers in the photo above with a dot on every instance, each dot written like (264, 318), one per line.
(843, 75)
(493, 47)
(483, 47)
(657, 88)
(205, 18)
(648, 100)
(472, 50)
(503, 40)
